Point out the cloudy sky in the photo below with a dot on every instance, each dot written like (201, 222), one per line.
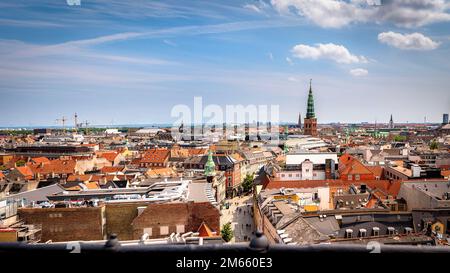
(122, 62)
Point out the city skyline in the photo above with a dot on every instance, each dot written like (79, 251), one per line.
(367, 62)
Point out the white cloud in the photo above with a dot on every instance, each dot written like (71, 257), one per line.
(253, 7)
(339, 13)
(358, 72)
(270, 56)
(414, 41)
(169, 42)
(289, 60)
(337, 53)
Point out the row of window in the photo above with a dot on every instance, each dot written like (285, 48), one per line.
(163, 230)
(55, 215)
(296, 175)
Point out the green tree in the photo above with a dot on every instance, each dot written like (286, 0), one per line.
(20, 163)
(399, 138)
(433, 145)
(248, 182)
(227, 232)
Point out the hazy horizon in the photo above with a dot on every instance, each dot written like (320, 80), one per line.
(120, 62)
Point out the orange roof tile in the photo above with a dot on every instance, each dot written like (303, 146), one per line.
(38, 160)
(92, 185)
(111, 169)
(445, 173)
(155, 156)
(345, 158)
(376, 170)
(110, 156)
(353, 166)
(26, 172)
(57, 166)
(205, 231)
(81, 178)
(165, 172)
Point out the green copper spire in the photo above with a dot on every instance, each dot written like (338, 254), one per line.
(310, 109)
(210, 167)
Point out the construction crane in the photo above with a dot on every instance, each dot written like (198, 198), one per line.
(86, 123)
(63, 122)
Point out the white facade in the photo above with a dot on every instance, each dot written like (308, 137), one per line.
(315, 158)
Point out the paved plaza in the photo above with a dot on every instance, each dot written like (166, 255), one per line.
(240, 215)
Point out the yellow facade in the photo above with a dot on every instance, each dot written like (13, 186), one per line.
(292, 197)
(8, 236)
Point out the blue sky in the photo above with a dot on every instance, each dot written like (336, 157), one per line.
(121, 62)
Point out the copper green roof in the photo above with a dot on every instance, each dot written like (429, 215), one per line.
(310, 110)
(210, 166)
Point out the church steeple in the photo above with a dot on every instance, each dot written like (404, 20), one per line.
(310, 124)
(310, 109)
(391, 123)
(210, 166)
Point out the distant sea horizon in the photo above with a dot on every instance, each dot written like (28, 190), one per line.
(165, 125)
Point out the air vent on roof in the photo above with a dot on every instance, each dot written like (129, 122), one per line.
(362, 232)
(391, 230)
(375, 231)
(349, 233)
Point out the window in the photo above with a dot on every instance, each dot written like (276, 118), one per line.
(357, 177)
(163, 230)
(180, 228)
(148, 231)
(350, 177)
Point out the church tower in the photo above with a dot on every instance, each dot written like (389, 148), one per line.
(391, 123)
(310, 123)
(299, 121)
(210, 168)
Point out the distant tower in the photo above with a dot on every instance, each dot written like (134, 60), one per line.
(391, 123)
(444, 119)
(299, 121)
(310, 123)
(76, 122)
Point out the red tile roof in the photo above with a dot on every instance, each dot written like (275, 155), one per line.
(110, 156)
(155, 156)
(445, 173)
(57, 166)
(81, 178)
(205, 231)
(111, 169)
(376, 170)
(345, 158)
(198, 151)
(391, 188)
(353, 166)
(38, 160)
(2, 176)
(26, 172)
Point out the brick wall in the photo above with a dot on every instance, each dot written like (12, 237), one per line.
(76, 224)
(67, 224)
(187, 216)
(119, 217)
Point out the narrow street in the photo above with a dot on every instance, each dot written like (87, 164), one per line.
(240, 215)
